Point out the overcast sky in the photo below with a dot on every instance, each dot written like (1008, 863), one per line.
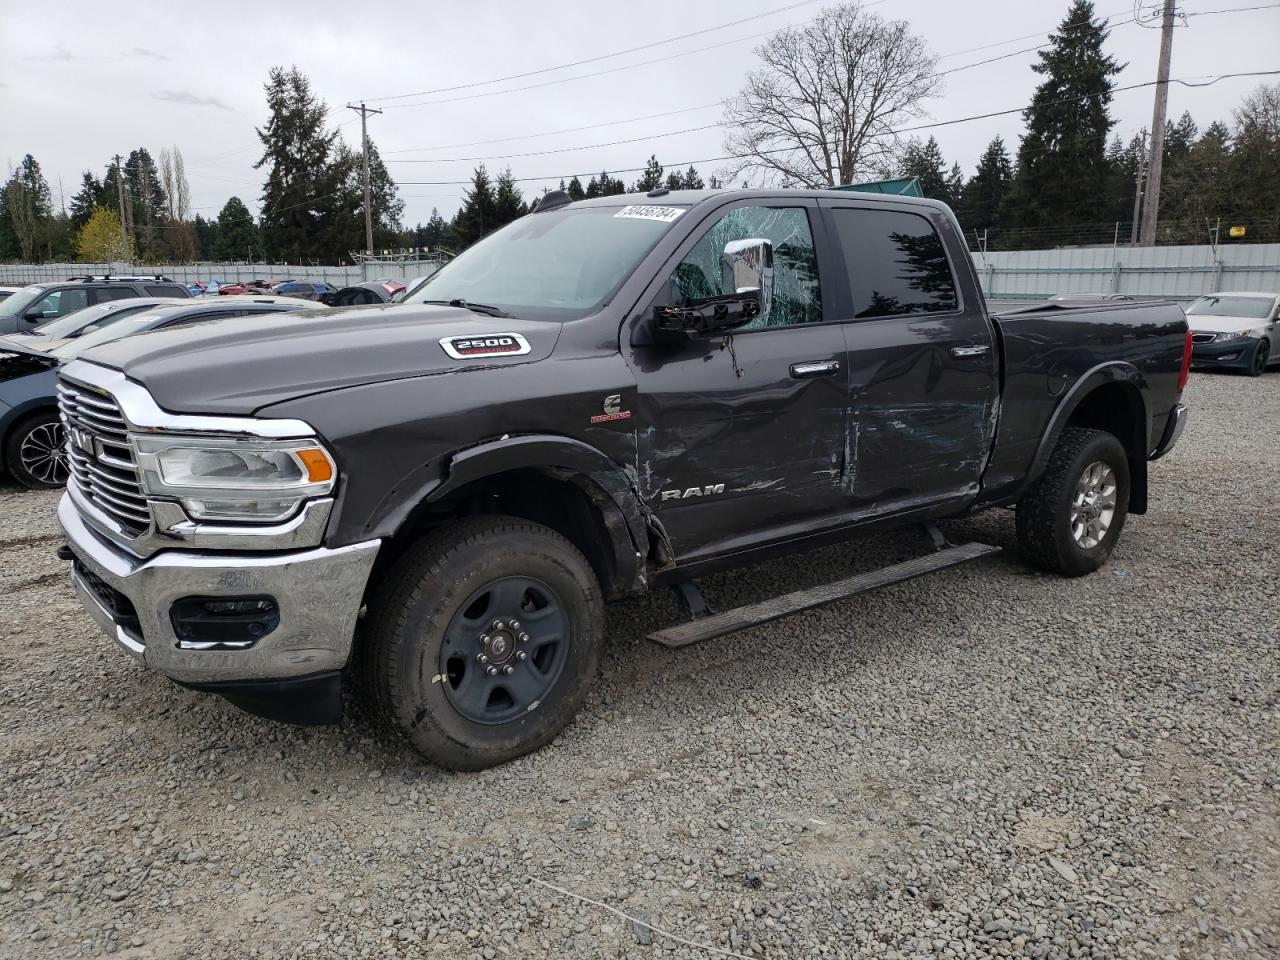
(81, 81)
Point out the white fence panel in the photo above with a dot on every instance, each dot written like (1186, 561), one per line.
(1179, 273)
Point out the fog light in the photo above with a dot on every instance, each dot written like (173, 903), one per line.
(223, 623)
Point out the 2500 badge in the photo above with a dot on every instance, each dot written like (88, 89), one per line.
(490, 345)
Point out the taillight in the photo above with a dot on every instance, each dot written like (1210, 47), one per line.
(1186, 364)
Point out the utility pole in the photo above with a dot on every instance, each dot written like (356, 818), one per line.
(1137, 196)
(124, 237)
(364, 153)
(1151, 210)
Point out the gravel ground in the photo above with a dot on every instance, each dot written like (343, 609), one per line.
(988, 762)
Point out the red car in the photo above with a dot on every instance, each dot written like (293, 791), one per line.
(232, 289)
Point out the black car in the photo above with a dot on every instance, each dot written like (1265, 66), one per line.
(31, 434)
(41, 302)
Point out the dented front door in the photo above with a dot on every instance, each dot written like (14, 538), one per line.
(741, 435)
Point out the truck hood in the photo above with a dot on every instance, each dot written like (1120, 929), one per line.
(1203, 323)
(238, 365)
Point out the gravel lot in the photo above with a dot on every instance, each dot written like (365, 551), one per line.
(988, 762)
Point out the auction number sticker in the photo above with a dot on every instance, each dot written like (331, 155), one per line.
(644, 212)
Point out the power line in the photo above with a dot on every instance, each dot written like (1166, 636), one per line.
(551, 133)
(923, 126)
(543, 153)
(603, 56)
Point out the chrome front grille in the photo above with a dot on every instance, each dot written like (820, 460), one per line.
(102, 467)
(1203, 337)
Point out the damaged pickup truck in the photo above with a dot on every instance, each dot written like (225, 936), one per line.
(602, 397)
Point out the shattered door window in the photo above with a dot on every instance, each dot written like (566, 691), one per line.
(797, 297)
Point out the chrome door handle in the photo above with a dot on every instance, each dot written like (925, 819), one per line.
(976, 350)
(815, 368)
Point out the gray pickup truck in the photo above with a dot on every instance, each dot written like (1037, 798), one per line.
(603, 397)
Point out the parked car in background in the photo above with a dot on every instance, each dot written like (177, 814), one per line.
(232, 289)
(371, 291)
(57, 332)
(304, 290)
(41, 302)
(6, 292)
(411, 287)
(31, 434)
(1089, 297)
(1239, 331)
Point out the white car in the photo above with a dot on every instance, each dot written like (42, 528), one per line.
(1236, 330)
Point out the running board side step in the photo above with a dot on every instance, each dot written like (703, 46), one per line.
(753, 614)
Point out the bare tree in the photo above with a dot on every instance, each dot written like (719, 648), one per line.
(177, 190)
(824, 107)
(166, 180)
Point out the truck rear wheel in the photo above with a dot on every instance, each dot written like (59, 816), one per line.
(484, 640)
(1070, 519)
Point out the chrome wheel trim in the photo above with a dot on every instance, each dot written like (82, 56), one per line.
(1094, 505)
(43, 453)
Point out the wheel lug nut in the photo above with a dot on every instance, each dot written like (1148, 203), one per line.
(508, 669)
(524, 638)
(482, 658)
(521, 655)
(496, 625)
(491, 671)
(515, 624)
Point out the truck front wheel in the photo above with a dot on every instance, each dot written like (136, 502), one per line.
(1070, 519)
(484, 640)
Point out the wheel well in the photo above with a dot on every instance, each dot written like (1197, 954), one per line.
(1118, 409)
(566, 502)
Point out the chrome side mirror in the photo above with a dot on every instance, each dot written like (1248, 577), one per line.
(748, 268)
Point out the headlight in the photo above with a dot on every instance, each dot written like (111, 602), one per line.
(1237, 335)
(234, 479)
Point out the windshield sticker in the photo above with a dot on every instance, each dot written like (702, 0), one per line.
(644, 212)
(491, 345)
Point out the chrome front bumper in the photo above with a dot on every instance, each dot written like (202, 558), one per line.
(318, 591)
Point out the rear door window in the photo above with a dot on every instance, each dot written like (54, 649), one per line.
(166, 291)
(107, 294)
(896, 263)
(62, 302)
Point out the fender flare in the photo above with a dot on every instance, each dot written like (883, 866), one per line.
(1112, 371)
(611, 487)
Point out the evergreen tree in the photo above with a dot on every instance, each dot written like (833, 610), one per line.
(985, 194)
(651, 179)
(206, 237)
(1061, 160)
(1255, 160)
(955, 187)
(436, 233)
(692, 181)
(924, 161)
(575, 190)
(507, 201)
(86, 200)
(237, 237)
(479, 213)
(27, 213)
(302, 178)
(147, 205)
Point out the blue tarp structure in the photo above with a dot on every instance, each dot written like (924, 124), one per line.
(903, 187)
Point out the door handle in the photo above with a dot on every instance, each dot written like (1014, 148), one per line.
(976, 350)
(814, 368)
